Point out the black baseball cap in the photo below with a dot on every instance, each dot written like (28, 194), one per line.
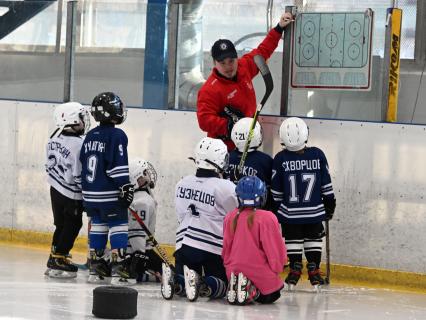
(222, 49)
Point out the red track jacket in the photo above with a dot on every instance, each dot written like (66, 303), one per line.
(217, 92)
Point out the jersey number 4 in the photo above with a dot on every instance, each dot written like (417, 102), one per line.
(310, 178)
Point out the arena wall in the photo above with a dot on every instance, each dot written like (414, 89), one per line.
(377, 170)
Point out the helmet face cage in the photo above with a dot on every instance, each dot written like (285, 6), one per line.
(294, 134)
(107, 107)
(240, 132)
(251, 192)
(211, 154)
(143, 169)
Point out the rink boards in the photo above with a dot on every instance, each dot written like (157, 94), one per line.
(377, 171)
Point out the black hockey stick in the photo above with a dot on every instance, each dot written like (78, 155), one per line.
(269, 86)
(151, 238)
(327, 248)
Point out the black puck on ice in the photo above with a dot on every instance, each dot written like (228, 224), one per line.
(111, 302)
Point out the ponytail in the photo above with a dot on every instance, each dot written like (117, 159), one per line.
(250, 219)
(234, 222)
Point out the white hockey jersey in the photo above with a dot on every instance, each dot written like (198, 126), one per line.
(201, 206)
(146, 207)
(63, 166)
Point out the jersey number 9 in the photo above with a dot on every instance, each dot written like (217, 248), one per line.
(92, 163)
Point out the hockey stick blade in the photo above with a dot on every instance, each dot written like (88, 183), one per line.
(150, 236)
(269, 86)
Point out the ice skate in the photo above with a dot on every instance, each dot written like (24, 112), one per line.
(50, 261)
(49, 265)
(232, 289)
(314, 275)
(192, 283)
(61, 267)
(246, 291)
(120, 270)
(294, 276)
(205, 291)
(99, 268)
(167, 282)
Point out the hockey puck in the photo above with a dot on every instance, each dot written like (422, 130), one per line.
(111, 302)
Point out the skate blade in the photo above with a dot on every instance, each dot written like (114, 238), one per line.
(191, 284)
(167, 292)
(96, 279)
(232, 297)
(242, 294)
(317, 288)
(117, 281)
(46, 273)
(289, 287)
(60, 274)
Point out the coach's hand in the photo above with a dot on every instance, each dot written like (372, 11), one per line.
(286, 19)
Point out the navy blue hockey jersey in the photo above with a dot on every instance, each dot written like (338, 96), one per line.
(105, 166)
(257, 164)
(299, 183)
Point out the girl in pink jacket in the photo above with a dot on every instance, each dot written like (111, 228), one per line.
(253, 251)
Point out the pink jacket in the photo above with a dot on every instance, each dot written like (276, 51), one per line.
(259, 252)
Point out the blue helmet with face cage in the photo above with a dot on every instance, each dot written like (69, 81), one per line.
(251, 192)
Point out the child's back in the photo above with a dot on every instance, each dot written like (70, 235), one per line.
(253, 248)
(257, 251)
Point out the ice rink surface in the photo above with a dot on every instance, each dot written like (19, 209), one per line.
(25, 293)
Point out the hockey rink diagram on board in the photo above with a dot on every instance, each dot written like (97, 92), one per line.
(332, 50)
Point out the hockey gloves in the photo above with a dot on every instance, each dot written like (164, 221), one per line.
(232, 115)
(126, 194)
(329, 206)
(139, 263)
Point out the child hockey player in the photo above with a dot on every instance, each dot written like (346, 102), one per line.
(107, 192)
(257, 163)
(301, 184)
(253, 248)
(202, 201)
(144, 177)
(64, 176)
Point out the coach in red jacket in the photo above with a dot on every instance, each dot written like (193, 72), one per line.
(228, 94)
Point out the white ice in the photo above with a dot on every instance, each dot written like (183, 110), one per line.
(25, 293)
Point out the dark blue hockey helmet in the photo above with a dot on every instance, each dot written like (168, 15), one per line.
(251, 192)
(107, 107)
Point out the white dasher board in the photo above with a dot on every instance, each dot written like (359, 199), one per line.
(332, 50)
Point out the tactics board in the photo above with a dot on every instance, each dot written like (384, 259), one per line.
(332, 50)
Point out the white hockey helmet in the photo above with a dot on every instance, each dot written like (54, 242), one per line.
(240, 132)
(140, 168)
(211, 154)
(294, 134)
(71, 114)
